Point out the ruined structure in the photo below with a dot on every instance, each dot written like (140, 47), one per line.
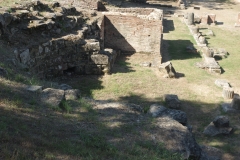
(51, 39)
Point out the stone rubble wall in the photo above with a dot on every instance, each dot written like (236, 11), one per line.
(51, 40)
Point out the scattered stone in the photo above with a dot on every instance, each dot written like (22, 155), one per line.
(222, 83)
(161, 111)
(156, 110)
(177, 138)
(190, 20)
(221, 53)
(227, 108)
(34, 88)
(72, 94)
(202, 40)
(236, 103)
(207, 51)
(221, 121)
(212, 130)
(228, 92)
(211, 153)
(52, 96)
(167, 70)
(172, 101)
(145, 64)
(211, 18)
(65, 87)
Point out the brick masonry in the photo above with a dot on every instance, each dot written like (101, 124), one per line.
(133, 30)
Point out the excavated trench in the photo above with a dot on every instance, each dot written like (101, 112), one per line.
(50, 39)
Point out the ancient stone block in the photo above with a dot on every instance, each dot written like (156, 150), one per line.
(211, 18)
(222, 83)
(34, 88)
(156, 110)
(172, 101)
(190, 20)
(195, 29)
(100, 59)
(202, 40)
(52, 96)
(228, 92)
(204, 19)
(167, 70)
(212, 130)
(236, 103)
(221, 121)
(72, 94)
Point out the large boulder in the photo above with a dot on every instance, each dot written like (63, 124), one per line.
(161, 111)
(172, 101)
(236, 103)
(167, 70)
(177, 138)
(220, 125)
(72, 94)
(52, 97)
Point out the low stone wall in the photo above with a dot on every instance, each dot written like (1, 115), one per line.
(50, 40)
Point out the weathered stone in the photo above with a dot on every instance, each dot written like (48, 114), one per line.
(221, 53)
(52, 96)
(202, 40)
(227, 108)
(221, 121)
(211, 18)
(72, 94)
(100, 59)
(156, 110)
(204, 19)
(34, 88)
(211, 153)
(65, 87)
(222, 83)
(197, 20)
(190, 20)
(177, 138)
(167, 70)
(228, 92)
(212, 130)
(172, 101)
(236, 103)
(195, 29)
(161, 111)
(207, 51)
(24, 56)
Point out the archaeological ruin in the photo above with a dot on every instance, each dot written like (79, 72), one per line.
(52, 39)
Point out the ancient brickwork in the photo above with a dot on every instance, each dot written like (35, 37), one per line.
(133, 30)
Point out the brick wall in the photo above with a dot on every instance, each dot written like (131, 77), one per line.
(130, 33)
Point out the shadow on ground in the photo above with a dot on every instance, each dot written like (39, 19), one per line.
(32, 130)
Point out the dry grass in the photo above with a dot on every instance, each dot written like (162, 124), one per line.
(30, 130)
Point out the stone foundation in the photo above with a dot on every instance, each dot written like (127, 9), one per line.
(52, 39)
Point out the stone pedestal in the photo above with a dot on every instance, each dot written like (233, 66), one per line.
(190, 20)
(211, 18)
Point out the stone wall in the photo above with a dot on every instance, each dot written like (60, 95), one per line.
(133, 30)
(50, 40)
